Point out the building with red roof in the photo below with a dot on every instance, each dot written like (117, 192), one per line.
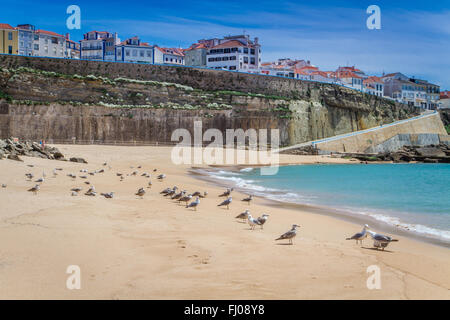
(99, 45)
(169, 55)
(133, 50)
(9, 43)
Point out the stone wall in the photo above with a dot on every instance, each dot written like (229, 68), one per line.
(59, 99)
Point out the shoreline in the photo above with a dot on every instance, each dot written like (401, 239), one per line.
(336, 213)
(155, 248)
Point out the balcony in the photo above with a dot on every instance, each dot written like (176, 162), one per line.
(92, 48)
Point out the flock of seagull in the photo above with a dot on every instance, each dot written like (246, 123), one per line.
(183, 197)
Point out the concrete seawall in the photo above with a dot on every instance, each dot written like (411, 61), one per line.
(366, 140)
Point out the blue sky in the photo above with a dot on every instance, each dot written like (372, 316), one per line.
(414, 36)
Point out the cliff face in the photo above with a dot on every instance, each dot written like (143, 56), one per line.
(55, 99)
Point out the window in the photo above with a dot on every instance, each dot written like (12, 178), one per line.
(225, 58)
(10, 36)
(36, 37)
(252, 51)
(134, 53)
(149, 53)
(141, 53)
(227, 50)
(36, 47)
(233, 58)
(252, 60)
(245, 50)
(127, 53)
(119, 52)
(210, 59)
(245, 59)
(10, 49)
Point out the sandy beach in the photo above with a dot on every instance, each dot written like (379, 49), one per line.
(154, 248)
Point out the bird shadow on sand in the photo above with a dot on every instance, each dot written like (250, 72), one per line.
(284, 244)
(375, 249)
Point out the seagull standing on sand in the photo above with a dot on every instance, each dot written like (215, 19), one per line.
(171, 192)
(30, 176)
(226, 202)
(252, 222)
(141, 193)
(360, 236)
(40, 180)
(248, 199)
(149, 184)
(161, 177)
(263, 219)
(379, 240)
(226, 193)
(179, 195)
(91, 192)
(186, 199)
(35, 189)
(4, 185)
(243, 215)
(194, 204)
(290, 235)
(108, 195)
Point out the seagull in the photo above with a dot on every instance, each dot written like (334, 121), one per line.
(171, 192)
(72, 175)
(380, 241)
(226, 193)
(248, 199)
(226, 203)
(243, 215)
(140, 193)
(4, 185)
(360, 235)
(179, 195)
(83, 177)
(161, 177)
(204, 194)
(59, 169)
(252, 222)
(87, 182)
(30, 176)
(54, 173)
(134, 173)
(74, 193)
(154, 170)
(290, 235)
(105, 164)
(40, 180)
(91, 192)
(186, 199)
(194, 204)
(35, 189)
(77, 189)
(263, 219)
(108, 195)
(167, 190)
(149, 184)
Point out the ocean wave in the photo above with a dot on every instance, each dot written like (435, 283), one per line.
(288, 196)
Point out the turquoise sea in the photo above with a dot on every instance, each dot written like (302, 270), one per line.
(415, 197)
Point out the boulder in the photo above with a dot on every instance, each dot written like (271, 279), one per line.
(79, 160)
(430, 152)
(14, 157)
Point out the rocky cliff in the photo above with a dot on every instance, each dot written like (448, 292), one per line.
(57, 99)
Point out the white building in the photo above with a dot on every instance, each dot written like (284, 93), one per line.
(168, 56)
(49, 44)
(99, 45)
(235, 53)
(133, 50)
(374, 85)
(26, 38)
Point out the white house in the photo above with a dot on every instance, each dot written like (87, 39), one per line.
(133, 50)
(26, 38)
(168, 56)
(235, 53)
(49, 44)
(374, 85)
(99, 45)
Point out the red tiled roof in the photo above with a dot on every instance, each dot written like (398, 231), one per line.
(5, 26)
(347, 74)
(321, 73)
(196, 46)
(50, 33)
(373, 79)
(175, 51)
(229, 44)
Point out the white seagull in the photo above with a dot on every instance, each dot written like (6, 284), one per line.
(226, 202)
(360, 236)
(194, 204)
(380, 240)
(290, 235)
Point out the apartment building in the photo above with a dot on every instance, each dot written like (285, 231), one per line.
(374, 85)
(72, 48)
(349, 79)
(195, 55)
(237, 53)
(8, 39)
(25, 39)
(99, 45)
(133, 50)
(49, 44)
(432, 93)
(168, 56)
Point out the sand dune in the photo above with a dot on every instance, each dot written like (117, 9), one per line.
(154, 248)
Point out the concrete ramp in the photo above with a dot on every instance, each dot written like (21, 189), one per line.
(369, 139)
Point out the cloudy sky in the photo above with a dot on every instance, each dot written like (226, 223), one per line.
(414, 36)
